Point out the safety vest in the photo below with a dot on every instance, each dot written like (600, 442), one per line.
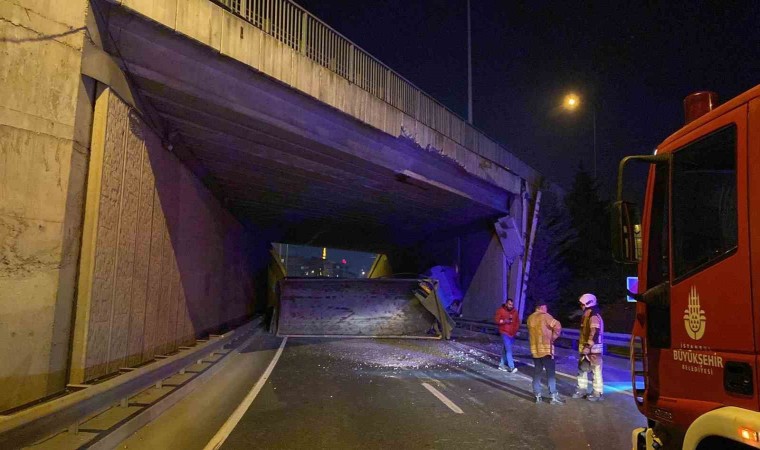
(593, 339)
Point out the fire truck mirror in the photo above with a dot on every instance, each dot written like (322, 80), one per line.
(626, 232)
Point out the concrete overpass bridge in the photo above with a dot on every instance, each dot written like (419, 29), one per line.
(320, 138)
(153, 149)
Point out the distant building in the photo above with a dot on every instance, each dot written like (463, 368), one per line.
(300, 266)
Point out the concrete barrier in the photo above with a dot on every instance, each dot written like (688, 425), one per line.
(49, 418)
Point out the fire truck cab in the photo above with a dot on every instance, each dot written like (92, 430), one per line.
(696, 336)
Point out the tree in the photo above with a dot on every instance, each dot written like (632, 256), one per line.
(554, 237)
(590, 255)
(590, 217)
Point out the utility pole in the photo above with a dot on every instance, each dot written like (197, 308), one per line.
(593, 109)
(469, 65)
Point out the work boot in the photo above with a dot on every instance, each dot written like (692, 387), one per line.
(595, 397)
(539, 399)
(556, 399)
(580, 394)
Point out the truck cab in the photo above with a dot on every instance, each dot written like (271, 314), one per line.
(695, 339)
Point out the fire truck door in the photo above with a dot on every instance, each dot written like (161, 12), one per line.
(711, 310)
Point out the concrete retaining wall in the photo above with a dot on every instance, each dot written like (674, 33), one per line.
(162, 261)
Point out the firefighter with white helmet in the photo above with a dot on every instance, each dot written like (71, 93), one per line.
(590, 348)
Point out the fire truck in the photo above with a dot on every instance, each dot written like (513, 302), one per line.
(695, 350)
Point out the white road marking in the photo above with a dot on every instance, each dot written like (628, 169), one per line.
(234, 419)
(439, 395)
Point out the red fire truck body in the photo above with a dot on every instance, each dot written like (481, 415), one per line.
(696, 336)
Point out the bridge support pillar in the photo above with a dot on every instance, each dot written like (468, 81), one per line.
(45, 116)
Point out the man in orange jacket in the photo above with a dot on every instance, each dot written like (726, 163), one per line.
(508, 320)
(544, 330)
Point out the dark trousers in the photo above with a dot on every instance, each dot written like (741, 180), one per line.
(538, 366)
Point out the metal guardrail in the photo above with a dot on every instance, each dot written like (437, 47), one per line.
(570, 334)
(294, 26)
(49, 418)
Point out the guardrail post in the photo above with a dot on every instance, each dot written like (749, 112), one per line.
(267, 19)
(304, 32)
(417, 106)
(387, 91)
(351, 58)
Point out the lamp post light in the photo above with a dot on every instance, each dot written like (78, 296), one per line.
(571, 103)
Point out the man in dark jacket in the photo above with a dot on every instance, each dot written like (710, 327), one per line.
(508, 320)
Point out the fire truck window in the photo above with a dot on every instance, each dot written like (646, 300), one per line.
(658, 264)
(704, 201)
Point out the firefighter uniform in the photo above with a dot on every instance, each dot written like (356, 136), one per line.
(591, 343)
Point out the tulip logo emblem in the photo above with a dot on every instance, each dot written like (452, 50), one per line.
(694, 317)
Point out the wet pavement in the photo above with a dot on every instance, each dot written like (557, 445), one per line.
(425, 394)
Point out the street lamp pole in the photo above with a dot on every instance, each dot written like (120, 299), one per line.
(469, 65)
(593, 112)
(571, 103)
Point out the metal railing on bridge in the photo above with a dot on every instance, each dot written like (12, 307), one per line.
(305, 33)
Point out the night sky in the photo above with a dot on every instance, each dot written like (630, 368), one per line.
(635, 62)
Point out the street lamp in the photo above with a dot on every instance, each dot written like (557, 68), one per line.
(572, 102)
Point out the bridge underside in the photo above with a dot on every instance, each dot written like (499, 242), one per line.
(288, 164)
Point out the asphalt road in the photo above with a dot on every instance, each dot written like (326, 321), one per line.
(617, 375)
(421, 394)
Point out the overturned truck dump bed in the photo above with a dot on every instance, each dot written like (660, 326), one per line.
(361, 308)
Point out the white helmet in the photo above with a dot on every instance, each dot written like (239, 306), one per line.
(588, 300)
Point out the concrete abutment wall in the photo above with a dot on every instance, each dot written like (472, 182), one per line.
(485, 276)
(45, 112)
